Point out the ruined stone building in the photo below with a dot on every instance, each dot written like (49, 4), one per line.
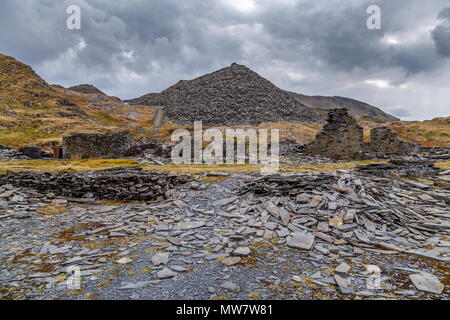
(340, 139)
(384, 142)
(88, 145)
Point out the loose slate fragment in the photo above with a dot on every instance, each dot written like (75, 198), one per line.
(124, 261)
(344, 284)
(231, 261)
(342, 268)
(190, 225)
(231, 286)
(427, 282)
(301, 240)
(166, 273)
(160, 258)
(242, 251)
(336, 221)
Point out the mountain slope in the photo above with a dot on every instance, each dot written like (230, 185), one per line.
(358, 109)
(32, 112)
(21, 86)
(233, 95)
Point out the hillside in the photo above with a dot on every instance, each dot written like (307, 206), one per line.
(358, 109)
(234, 95)
(32, 112)
(430, 133)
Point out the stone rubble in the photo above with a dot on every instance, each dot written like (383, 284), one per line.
(11, 154)
(128, 183)
(249, 235)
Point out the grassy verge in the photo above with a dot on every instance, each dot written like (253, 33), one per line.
(444, 165)
(100, 164)
(63, 165)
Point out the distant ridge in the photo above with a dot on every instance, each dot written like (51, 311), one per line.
(358, 109)
(87, 88)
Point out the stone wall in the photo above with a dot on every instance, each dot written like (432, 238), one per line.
(86, 145)
(340, 139)
(130, 183)
(384, 143)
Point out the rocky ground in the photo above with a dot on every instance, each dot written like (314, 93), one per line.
(288, 236)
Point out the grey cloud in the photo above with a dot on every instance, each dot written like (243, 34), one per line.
(441, 34)
(139, 46)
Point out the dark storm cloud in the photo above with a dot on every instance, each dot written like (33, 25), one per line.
(337, 35)
(128, 48)
(441, 34)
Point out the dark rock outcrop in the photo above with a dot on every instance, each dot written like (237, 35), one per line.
(322, 105)
(231, 96)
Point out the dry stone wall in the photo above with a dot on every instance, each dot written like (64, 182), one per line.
(112, 184)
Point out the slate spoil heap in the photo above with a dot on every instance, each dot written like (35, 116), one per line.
(111, 184)
(400, 168)
(231, 96)
(322, 210)
(310, 234)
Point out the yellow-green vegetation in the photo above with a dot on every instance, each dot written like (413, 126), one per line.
(299, 132)
(429, 133)
(100, 164)
(69, 165)
(52, 209)
(21, 87)
(444, 165)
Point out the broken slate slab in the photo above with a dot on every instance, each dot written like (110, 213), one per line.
(242, 251)
(343, 284)
(301, 240)
(231, 261)
(160, 258)
(166, 273)
(342, 268)
(427, 282)
(124, 261)
(231, 286)
(190, 225)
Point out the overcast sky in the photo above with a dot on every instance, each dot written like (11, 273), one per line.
(317, 47)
